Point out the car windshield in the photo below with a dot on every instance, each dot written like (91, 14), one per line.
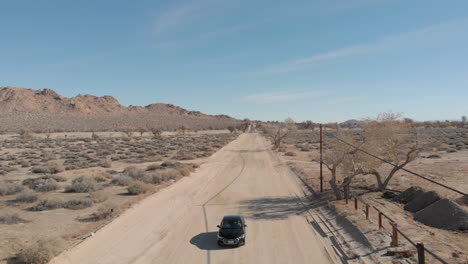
(231, 224)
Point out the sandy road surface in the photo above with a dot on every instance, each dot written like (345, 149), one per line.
(178, 224)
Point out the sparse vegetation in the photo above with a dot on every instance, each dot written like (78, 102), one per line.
(83, 185)
(10, 219)
(137, 188)
(40, 252)
(26, 197)
(10, 188)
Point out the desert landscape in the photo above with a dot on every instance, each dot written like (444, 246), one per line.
(149, 193)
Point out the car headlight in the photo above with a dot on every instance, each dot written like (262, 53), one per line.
(241, 237)
(219, 237)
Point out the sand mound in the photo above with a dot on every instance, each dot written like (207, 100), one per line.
(408, 195)
(444, 214)
(422, 201)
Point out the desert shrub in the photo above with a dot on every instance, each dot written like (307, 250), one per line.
(54, 167)
(41, 252)
(183, 155)
(83, 185)
(134, 172)
(10, 188)
(290, 153)
(104, 164)
(57, 178)
(76, 204)
(153, 167)
(48, 204)
(98, 197)
(122, 180)
(103, 212)
(100, 178)
(11, 219)
(184, 171)
(40, 169)
(137, 188)
(46, 186)
(26, 197)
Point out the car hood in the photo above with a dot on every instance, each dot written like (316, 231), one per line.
(231, 233)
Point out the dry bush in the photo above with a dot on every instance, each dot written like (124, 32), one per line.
(134, 172)
(99, 197)
(122, 180)
(76, 204)
(83, 185)
(156, 132)
(10, 188)
(137, 188)
(26, 197)
(104, 164)
(41, 252)
(184, 155)
(46, 186)
(52, 167)
(103, 212)
(290, 154)
(48, 204)
(10, 219)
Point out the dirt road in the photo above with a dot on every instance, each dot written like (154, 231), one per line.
(178, 224)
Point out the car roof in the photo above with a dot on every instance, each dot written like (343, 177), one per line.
(232, 217)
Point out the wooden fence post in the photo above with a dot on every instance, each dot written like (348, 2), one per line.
(421, 257)
(395, 235)
(380, 221)
(367, 212)
(355, 203)
(346, 194)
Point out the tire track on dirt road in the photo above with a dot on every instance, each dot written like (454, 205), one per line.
(208, 256)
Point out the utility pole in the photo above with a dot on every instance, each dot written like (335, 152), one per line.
(321, 161)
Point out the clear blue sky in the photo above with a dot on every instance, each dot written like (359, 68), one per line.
(323, 60)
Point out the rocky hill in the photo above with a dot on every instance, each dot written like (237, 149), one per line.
(22, 108)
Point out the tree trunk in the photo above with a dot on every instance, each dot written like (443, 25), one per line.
(336, 189)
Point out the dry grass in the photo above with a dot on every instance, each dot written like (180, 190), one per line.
(137, 188)
(11, 219)
(41, 252)
(83, 185)
(26, 197)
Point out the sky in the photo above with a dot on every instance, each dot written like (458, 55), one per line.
(319, 60)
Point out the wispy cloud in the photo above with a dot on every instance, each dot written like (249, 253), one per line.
(281, 96)
(175, 16)
(358, 49)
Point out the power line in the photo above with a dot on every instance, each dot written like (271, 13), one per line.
(394, 165)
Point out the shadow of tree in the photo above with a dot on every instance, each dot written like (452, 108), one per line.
(275, 208)
(206, 241)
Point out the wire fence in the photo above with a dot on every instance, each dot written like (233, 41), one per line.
(397, 166)
(421, 249)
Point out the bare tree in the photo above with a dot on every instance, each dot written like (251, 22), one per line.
(308, 125)
(392, 140)
(183, 129)
(142, 130)
(278, 132)
(156, 132)
(342, 162)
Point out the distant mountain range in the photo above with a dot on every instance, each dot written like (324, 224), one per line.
(22, 108)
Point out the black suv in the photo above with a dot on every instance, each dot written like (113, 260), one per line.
(232, 231)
